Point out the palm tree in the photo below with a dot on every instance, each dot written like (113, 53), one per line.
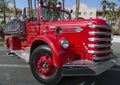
(5, 9)
(113, 5)
(77, 8)
(52, 3)
(63, 3)
(118, 16)
(113, 15)
(14, 1)
(118, 9)
(38, 1)
(104, 4)
(29, 7)
(35, 3)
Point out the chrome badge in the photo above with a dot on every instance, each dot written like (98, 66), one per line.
(78, 29)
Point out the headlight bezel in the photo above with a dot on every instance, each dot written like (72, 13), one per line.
(64, 43)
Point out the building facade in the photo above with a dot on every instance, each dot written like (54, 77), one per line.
(84, 11)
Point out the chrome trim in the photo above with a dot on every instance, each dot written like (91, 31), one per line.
(100, 26)
(95, 69)
(102, 58)
(80, 63)
(99, 46)
(24, 54)
(100, 33)
(99, 52)
(100, 39)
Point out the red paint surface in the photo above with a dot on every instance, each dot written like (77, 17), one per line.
(78, 49)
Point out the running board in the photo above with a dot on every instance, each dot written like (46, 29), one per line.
(23, 54)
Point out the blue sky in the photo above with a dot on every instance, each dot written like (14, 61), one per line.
(71, 3)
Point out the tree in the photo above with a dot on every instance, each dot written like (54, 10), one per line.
(5, 8)
(112, 6)
(38, 1)
(118, 9)
(104, 4)
(30, 7)
(77, 8)
(15, 11)
(63, 3)
(35, 4)
(52, 3)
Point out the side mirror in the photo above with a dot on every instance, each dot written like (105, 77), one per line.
(24, 14)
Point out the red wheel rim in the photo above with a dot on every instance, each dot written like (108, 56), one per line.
(44, 66)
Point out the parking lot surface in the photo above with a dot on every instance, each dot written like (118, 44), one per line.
(14, 71)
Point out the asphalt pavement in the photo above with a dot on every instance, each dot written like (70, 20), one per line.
(14, 71)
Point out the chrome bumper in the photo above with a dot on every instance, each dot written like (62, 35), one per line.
(95, 68)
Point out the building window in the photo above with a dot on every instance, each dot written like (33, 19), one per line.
(91, 13)
(73, 13)
(79, 13)
(85, 13)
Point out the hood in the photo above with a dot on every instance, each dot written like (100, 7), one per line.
(70, 23)
(75, 31)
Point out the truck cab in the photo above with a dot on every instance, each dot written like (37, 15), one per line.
(56, 46)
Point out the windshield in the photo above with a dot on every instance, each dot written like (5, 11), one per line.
(49, 14)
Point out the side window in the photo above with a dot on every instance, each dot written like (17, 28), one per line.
(35, 17)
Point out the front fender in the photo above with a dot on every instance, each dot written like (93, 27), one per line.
(56, 49)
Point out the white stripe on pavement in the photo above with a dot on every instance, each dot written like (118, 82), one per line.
(3, 55)
(3, 49)
(14, 66)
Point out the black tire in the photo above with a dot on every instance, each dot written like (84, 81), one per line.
(57, 74)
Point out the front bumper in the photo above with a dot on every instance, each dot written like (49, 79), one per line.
(95, 68)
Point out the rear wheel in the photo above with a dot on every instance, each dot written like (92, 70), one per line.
(42, 66)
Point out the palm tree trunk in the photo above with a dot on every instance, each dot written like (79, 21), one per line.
(4, 15)
(15, 8)
(63, 3)
(29, 7)
(31, 4)
(35, 3)
(77, 8)
(38, 2)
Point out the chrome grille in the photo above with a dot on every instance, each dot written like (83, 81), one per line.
(100, 33)
(99, 41)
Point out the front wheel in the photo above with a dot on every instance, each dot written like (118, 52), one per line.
(42, 66)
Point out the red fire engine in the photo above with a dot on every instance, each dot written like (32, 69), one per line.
(56, 46)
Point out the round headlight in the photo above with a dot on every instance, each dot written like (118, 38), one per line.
(64, 43)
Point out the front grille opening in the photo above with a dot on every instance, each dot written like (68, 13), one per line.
(103, 42)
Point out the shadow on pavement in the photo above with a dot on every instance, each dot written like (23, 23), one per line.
(110, 77)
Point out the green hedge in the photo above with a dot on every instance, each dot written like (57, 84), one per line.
(116, 32)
